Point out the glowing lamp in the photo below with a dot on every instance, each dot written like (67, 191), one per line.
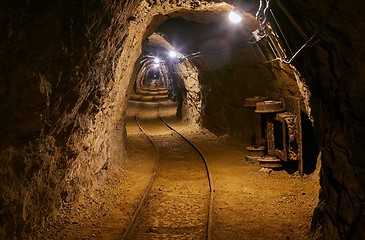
(173, 54)
(234, 17)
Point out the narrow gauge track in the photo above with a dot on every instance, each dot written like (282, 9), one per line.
(176, 204)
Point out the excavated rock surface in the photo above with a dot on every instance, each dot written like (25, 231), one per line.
(333, 66)
(56, 60)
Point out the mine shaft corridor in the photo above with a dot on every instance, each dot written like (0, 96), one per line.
(250, 202)
(184, 119)
(247, 204)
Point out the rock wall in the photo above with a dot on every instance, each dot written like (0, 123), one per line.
(333, 65)
(56, 134)
(191, 105)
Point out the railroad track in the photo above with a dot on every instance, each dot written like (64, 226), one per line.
(177, 203)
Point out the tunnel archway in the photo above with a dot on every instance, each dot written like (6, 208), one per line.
(264, 77)
(224, 55)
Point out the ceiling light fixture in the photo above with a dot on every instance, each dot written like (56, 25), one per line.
(234, 17)
(173, 54)
(157, 60)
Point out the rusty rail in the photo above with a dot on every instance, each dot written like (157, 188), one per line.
(209, 176)
(133, 222)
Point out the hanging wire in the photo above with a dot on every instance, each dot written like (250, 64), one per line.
(327, 16)
(281, 31)
(262, 11)
(291, 19)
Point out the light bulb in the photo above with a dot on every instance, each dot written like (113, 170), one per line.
(172, 54)
(234, 17)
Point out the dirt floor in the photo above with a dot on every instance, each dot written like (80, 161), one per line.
(248, 203)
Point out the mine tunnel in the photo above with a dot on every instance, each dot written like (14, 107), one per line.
(270, 94)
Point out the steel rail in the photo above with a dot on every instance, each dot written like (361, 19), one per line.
(209, 175)
(133, 223)
(128, 233)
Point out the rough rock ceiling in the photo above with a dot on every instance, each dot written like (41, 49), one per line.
(190, 32)
(189, 36)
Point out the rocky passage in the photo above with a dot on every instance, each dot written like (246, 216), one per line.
(248, 204)
(67, 70)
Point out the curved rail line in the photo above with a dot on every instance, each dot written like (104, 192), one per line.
(209, 175)
(133, 222)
